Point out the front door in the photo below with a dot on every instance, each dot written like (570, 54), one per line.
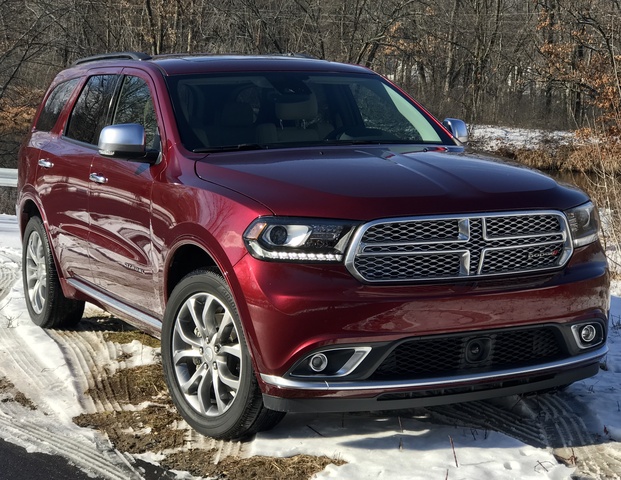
(120, 242)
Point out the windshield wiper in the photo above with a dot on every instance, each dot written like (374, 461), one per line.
(231, 148)
(355, 142)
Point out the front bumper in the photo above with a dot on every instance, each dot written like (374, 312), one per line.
(290, 311)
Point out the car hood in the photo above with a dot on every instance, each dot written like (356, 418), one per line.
(364, 183)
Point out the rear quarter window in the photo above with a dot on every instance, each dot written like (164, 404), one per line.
(55, 104)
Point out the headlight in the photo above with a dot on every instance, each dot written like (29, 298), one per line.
(583, 223)
(298, 239)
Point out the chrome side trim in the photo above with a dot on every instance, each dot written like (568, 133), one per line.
(434, 382)
(139, 317)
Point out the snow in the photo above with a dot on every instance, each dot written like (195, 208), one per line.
(373, 445)
(491, 138)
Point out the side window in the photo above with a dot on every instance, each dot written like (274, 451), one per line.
(54, 105)
(135, 105)
(91, 109)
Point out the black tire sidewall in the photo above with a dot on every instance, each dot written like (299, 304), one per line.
(230, 421)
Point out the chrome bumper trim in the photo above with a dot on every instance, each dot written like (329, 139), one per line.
(324, 385)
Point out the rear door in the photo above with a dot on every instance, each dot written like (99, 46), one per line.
(63, 170)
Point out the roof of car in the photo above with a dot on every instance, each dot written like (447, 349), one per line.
(205, 63)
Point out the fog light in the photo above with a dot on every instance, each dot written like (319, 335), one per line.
(318, 362)
(588, 333)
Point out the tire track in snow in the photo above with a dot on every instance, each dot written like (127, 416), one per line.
(488, 415)
(35, 430)
(9, 271)
(87, 355)
(44, 430)
(546, 420)
(32, 369)
(592, 457)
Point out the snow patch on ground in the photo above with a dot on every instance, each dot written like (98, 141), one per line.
(491, 138)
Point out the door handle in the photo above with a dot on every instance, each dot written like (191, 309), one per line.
(45, 163)
(97, 178)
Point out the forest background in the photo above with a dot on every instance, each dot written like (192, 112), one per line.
(550, 64)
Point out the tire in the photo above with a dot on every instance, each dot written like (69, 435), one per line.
(47, 305)
(206, 361)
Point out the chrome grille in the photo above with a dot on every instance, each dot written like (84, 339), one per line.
(438, 248)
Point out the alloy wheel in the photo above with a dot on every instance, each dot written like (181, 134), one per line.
(207, 355)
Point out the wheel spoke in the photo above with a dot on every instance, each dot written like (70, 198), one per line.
(233, 350)
(208, 316)
(216, 388)
(196, 378)
(180, 355)
(40, 293)
(33, 294)
(224, 330)
(203, 392)
(192, 305)
(32, 253)
(187, 339)
(227, 378)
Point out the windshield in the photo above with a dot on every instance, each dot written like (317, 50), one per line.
(281, 109)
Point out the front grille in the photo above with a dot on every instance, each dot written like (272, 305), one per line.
(448, 355)
(439, 248)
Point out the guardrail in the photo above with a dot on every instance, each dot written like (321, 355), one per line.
(8, 177)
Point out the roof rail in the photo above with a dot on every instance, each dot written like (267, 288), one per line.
(114, 56)
(300, 55)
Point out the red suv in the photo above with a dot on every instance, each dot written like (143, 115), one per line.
(303, 237)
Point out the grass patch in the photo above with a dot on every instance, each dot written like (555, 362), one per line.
(128, 336)
(200, 462)
(10, 394)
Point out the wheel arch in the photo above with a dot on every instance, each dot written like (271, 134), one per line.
(185, 259)
(189, 256)
(29, 209)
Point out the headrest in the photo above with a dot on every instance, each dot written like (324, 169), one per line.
(296, 107)
(237, 114)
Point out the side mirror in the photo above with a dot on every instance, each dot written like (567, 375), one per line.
(125, 141)
(458, 128)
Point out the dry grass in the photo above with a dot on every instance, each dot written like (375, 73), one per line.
(16, 119)
(128, 336)
(159, 428)
(591, 158)
(8, 393)
(200, 462)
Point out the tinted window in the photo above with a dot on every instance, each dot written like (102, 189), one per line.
(54, 105)
(136, 106)
(91, 109)
(231, 111)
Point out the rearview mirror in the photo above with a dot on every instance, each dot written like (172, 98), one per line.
(458, 128)
(125, 141)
